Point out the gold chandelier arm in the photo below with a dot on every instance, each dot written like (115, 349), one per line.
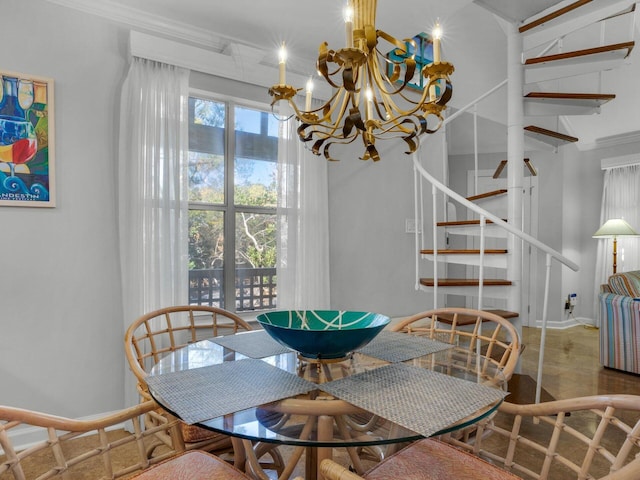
(324, 128)
(394, 108)
(322, 64)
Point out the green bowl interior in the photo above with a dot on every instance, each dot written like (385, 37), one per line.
(319, 320)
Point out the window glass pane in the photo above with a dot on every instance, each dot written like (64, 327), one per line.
(206, 151)
(255, 256)
(274, 126)
(255, 161)
(248, 120)
(254, 138)
(206, 257)
(206, 178)
(207, 112)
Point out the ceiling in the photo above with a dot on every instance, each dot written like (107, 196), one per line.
(474, 39)
(302, 24)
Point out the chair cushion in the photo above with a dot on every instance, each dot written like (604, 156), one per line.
(434, 460)
(192, 465)
(193, 433)
(626, 283)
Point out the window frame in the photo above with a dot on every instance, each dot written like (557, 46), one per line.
(229, 209)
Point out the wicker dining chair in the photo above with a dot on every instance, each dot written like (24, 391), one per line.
(486, 343)
(156, 334)
(596, 437)
(480, 334)
(109, 447)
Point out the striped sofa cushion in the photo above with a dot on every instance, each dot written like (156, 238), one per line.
(626, 283)
(620, 332)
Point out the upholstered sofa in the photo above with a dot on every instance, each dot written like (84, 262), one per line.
(620, 322)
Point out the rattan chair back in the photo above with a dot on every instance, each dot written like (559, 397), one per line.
(482, 336)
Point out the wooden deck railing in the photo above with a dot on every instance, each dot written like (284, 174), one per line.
(255, 288)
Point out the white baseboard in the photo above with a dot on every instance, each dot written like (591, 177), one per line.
(568, 323)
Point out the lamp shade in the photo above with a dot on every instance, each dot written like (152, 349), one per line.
(614, 228)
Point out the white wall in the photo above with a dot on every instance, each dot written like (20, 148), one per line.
(582, 197)
(372, 258)
(61, 328)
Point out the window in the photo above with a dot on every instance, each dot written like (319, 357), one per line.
(233, 151)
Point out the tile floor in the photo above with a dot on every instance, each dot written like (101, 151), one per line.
(572, 364)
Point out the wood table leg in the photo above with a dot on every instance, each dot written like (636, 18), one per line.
(239, 454)
(325, 432)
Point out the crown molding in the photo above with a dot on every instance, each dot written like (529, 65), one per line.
(621, 139)
(236, 62)
(611, 141)
(141, 20)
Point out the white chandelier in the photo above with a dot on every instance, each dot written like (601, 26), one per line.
(370, 96)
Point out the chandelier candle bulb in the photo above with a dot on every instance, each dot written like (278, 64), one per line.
(348, 23)
(307, 103)
(282, 55)
(437, 33)
(369, 95)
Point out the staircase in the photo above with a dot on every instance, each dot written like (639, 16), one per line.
(561, 45)
(545, 65)
(550, 30)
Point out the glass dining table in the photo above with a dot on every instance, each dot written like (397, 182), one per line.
(397, 389)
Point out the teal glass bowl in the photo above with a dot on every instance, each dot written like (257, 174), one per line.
(323, 334)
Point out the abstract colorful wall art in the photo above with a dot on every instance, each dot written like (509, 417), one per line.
(27, 164)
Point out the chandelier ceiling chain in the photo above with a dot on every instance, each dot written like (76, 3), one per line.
(370, 96)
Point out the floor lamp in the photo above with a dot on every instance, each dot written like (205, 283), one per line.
(614, 228)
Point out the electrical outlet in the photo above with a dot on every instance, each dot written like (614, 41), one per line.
(410, 226)
(570, 302)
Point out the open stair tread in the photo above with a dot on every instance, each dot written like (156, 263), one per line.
(503, 163)
(491, 251)
(582, 54)
(552, 15)
(568, 17)
(493, 193)
(464, 319)
(458, 223)
(589, 99)
(549, 136)
(464, 282)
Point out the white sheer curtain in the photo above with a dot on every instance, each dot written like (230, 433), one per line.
(303, 225)
(152, 190)
(620, 199)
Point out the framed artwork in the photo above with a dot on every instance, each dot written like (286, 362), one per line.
(27, 163)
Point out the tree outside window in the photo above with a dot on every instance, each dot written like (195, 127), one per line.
(232, 205)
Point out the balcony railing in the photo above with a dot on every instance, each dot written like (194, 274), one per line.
(255, 288)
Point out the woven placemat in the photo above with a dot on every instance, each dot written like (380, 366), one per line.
(399, 347)
(255, 344)
(421, 400)
(209, 392)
